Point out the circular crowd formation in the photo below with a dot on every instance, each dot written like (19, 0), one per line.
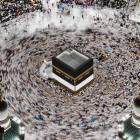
(51, 112)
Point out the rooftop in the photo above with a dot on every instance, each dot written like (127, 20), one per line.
(3, 105)
(137, 101)
(72, 58)
(130, 132)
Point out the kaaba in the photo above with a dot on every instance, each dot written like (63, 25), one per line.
(72, 69)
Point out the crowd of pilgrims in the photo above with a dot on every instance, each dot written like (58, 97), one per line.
(19, 71)
(109, 3)
(32, 108)
(10, 9)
